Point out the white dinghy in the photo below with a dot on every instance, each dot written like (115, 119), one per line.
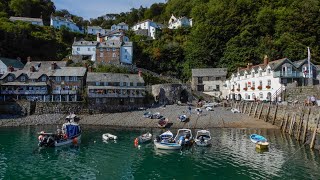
(108, 136)
(203, 138)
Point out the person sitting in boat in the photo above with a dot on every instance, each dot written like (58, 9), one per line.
(201, 139)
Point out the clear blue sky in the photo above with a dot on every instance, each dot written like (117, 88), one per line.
(94, 8)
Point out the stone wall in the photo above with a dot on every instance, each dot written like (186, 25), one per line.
(21, 108)
(299, 94)
(171, 93)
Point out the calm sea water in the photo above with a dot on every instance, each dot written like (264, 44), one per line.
(232, 156)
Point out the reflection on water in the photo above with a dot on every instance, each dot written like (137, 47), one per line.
(231, 156)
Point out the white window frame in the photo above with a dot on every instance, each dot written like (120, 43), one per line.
(66, 78)
(78, 49)
(58, 78)
(23, 78)
(43, 78)
(10, 78)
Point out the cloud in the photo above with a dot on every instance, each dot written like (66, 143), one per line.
(94, 8)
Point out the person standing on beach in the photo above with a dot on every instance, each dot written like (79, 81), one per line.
(313, 100)
(189, 109)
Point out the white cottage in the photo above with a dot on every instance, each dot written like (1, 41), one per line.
(94, 30)
(147, 28)
(7, 64)
(83, 49)
(58, 22)
(120, 26)
(266, 81)
(175, 23)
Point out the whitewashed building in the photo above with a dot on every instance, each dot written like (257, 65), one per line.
(94, 30)
(267, 81)
(34, 21)
(84, 49)
(120, 26)
(58, 22)
(126, 53)
(175, 23)
(147, 28)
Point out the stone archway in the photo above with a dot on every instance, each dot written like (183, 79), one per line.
(184, 96)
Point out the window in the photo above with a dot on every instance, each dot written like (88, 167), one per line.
(101, 54)
(66, 78)
(97, 83)
(261, 95)
(260, 73)
(58, 78)
(218, 87)
(93, 49)
(200, 80)
(78, 49)
(268, 71)
(253, 84)
(108, 49)
(131, 83)
(74, 78)
(89, 49)
(269, 82)
(260, 83)
(23, 78)
(252, 74)
(245, 76)
(43, 78)
(125, 50)
(113, 49)
(245, 85)
(218, 78)
(113, 55)
(125, 57)
(124, 84)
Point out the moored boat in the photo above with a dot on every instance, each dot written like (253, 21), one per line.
(70, 134)
(166, 141)
(108, 136)
(184, 137)
(182, 118)
(260, 141)
(163, 122)
(203, 138)
(145, 137)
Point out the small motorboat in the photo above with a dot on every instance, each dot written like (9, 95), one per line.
(145, 137)
(163, 122)
(260, 141)
(156, 115)
(203, 138)
(166, 141)
(69, 134)
(184, 137)
(182, 118)
(108, 136)
(234, 110)
(147, 114)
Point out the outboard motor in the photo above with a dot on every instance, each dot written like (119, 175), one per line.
(158, 138)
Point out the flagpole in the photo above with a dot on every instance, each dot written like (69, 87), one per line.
(309, 64)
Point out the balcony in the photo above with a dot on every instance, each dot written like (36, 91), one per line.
(24, 92)
(64, 92)
(293, 74)
(110, 95)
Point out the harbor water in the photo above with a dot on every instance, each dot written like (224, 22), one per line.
(231, 156)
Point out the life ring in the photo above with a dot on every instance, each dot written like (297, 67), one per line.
(136, 142)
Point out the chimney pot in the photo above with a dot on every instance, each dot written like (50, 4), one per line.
(10, 69)
(140, 73)
(32, 69)
(90, 69)
(265, 60)
(29, 59)
(53, 66)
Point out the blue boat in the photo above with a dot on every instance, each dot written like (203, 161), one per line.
(255, 138)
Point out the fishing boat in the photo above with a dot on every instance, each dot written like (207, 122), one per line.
(69, 134)
(166, 141)
(147, 114)
(203, 138)
(184, 137)
(163, 122)
(145, 137)
(108, 136)
(182, 118)
(260, 141)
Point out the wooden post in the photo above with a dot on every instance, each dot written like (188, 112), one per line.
(300, 125)
(268, 111)
(250, 109)
(306, 127)
(245, 108)
(260, 111)
(293, 120)
(286, 123)
(314, 133)
(255, 110)
(282, 122)
(275, 115)
(242, 107)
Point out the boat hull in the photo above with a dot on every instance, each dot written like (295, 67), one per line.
(262, 145)
(68, 141)
(203, 143)
(108, 136)
(167, 146)
(255, 138)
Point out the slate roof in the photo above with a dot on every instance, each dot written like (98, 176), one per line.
(115, 87)
(113, 77)
(57, 18)
(69, 71)
(28, 19)
(127, 44)
(25, 83)
(94, 27)
(209, 72)
(111, 44)
(122, 24)
(85, 43)
(44, 65)
(12, 62)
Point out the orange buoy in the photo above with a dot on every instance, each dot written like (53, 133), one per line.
(75, 141)
(136, 142)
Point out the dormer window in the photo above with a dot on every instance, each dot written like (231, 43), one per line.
(10, 78)
(260, 73)
(252, 74)
(268, 71)
(23, 78)
(43, 78)
(245, 76)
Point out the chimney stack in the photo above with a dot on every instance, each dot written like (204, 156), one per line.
(249, 65)
(238, 69)
(74, 39)
(140, 73)
(29, 59)
(10, 69)
(265, 60)
(90, 69)
(53, 66)
(32, 69)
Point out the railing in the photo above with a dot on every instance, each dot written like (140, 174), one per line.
(24, 92)
(286, 74)
(64, 92)
(277, 94)
(109, 95)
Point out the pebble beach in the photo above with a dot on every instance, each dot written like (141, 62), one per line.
(218, 118)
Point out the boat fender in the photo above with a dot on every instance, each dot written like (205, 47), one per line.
(75, 140)
(40, 138)
(65, 136)
(136, 142)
